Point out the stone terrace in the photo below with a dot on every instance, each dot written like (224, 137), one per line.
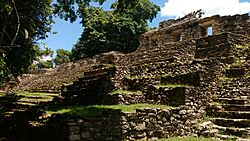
(177, 65)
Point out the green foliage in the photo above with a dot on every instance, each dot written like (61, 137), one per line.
(139, 10)
(35, 18)
(40, 60)
(62, 56)
(5, 9)
(116, 30)
(66, 9)
(104, 32)
(3, 69)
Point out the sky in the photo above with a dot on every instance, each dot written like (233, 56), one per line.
(68, 33)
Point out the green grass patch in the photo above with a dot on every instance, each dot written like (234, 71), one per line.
(28, 97)
(125, 92)
(190, 138)
(36, 94)
(170, 85)
(95, 110)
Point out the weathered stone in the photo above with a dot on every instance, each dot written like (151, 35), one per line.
(85, 135)
(179, 53)
(74, 137)
(149, 126)
(182, 112)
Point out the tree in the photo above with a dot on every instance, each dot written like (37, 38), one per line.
(43, 57)
(115, 30)
(25, 23)
(62, 56)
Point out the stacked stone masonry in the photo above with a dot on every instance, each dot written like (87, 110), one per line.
(178, 65)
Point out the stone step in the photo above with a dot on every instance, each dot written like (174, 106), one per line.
(232, 101)
(97, 72)
(235, 72)
(35, 100)
(26, 101)
(19, 110)
(227, 137)
(21, 105)
(235, 107)
(38, 94)
(39, 97)
(241, 123)
(214, 51)
(233, 114)
(235, 97)
(92, 77)
(239, 132)
(12, 111)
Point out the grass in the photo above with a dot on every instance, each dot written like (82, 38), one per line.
(125, 92)
(35, 94)
(30, 94)
(95, 110)
(26, 97)
(170, 85)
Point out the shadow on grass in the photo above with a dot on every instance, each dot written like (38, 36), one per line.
(17, 124)
(7, 102)
(30, 125)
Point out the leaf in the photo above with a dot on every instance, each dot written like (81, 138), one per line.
(26, 34)
(8, 9)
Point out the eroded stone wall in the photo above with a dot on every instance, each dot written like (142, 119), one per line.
(239, 24)
(143, 124)
(194, 28)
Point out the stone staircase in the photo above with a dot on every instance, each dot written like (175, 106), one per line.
(90, 87)
(13, 103)
(23, 118)
(230, 118)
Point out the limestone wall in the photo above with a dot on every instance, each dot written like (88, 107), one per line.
(182, 51)
(235, 87)
(143, 124)
(194, 28)
(239, 24)
(121, 98)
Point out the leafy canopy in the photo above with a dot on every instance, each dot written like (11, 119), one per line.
(30, 20)
(116, 30)
(43, 57)
(62, 56)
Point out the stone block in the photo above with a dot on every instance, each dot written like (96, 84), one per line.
(74, 137)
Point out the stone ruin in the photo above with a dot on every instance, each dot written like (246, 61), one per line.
(209, 74)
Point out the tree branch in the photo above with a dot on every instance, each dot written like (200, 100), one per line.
(18, 23)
